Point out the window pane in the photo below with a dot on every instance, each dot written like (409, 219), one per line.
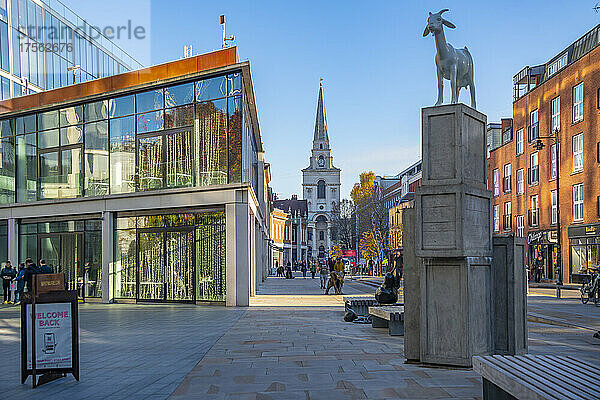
(212, 88)
(49, 175)
(47, 120)
(210, 257)
(150, 163)
(71, 116)
(93, 264)
(125, 263)
(179, 95)
(71, 135)
(48, 139)
(148, 101)
(234, 84)
(7, 171)
(26, 168)
(211, 143)
(121, 106)
(179, 159)
(71, 173)
(95, 111)
(96, 159)
(179, 116)
(122, 155)
(150, 121)
(235, 139)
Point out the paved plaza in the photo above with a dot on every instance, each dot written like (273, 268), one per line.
(291, 343)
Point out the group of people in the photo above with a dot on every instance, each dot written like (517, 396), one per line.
(15, 282)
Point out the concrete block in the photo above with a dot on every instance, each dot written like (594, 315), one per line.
(412, 287)
(509, 322)
(453, 221)
(453, 145)
(455, 310)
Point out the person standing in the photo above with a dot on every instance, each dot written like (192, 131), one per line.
(313, 269)
(20, 283)
(539, 266)
(8, 274)
(44, 268)
(303, 269)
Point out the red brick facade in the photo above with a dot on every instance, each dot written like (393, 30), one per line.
(586, 70)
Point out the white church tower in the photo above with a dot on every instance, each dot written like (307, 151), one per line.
(321, 188)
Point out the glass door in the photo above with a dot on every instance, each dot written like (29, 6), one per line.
(179, 274)
(63, 252)
(151, 278)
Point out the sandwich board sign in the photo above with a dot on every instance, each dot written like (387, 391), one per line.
(49, 330)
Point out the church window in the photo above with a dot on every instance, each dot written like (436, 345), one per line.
(321, 189)
(321, 235)
(321, 161)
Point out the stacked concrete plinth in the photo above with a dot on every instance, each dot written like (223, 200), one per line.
(454, 237)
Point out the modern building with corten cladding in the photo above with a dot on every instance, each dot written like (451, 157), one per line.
(562, 94)
(141, 187)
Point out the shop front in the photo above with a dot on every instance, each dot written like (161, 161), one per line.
(542, 255)
(584, 249)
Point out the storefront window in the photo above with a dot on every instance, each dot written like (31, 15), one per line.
(125, 262)
(578, 256)
(210, 257)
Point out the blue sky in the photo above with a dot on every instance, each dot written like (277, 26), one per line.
(377, 68)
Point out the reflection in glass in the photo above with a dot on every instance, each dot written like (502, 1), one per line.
(47, 120)
(26, 168)
(71, 183)
(211, 143)
(96, 159)
(152, 273)
(121, 106)
(49, 175)
(6, 127)
(150, 121)
(179, 95)
(234, 84)
(148, 101)
(48, 139)
(27, 246)
(212, 88)
(3, 243)
(210, 257)
(150, 166)
(7, 171)
(71, 115)
(50, 251)
(93, 264)
(122, 156)
(235, 139)
(179, 270)
(71, 135)
(179, 116)
(179, 159)
(95, 111)
(125, 262)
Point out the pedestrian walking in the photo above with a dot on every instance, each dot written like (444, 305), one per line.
(539, 266)
(313, 269)
(8, 274)
(303, 269)
(324, 272)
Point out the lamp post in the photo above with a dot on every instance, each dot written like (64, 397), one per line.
(539, 145)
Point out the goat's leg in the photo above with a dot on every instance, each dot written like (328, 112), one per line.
(453, 84)
(440, 98)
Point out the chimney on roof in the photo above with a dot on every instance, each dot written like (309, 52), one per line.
(294, 197)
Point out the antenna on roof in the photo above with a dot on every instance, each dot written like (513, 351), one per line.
(187, 51)
(596, 8)
(225, 39)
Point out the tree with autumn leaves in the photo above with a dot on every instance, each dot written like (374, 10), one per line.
(371, 216)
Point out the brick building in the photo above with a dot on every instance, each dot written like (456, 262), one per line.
(563, 96)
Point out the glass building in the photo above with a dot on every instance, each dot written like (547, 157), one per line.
(40, 42)
(153, 191)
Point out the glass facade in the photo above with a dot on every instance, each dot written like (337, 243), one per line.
(184, 135)
(3, 244)
(175, 257)
(70, 247)
(44, 39)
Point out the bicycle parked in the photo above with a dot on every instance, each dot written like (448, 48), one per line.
(591, 287)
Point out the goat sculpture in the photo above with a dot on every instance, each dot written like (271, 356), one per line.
(453, 64)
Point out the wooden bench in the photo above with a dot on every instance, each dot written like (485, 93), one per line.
(391, 317)
(537, 377)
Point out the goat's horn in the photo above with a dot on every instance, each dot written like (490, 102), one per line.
(444, 10)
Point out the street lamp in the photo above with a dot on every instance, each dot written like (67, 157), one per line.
(74, 68)
(539, 145)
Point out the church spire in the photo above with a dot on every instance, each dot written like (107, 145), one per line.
(321, 134)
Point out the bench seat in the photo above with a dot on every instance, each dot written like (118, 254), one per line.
(391, 317)
(537, 377)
